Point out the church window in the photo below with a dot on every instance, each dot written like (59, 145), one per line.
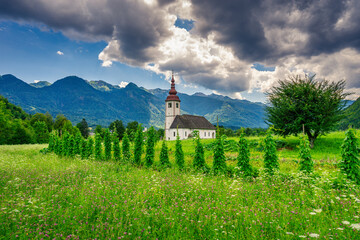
(174, 134)
(169, 105)
(185, 134)
(177, 105)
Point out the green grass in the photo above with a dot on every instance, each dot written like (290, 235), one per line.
(45, 196)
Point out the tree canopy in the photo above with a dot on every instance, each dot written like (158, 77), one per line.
(305, 104)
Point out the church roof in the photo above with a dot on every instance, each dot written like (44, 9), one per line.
(192, 122)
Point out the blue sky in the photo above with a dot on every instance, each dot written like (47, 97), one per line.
(237, 48)
(31, 54)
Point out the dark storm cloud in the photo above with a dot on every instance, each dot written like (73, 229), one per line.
(135, 24)
(243, 25)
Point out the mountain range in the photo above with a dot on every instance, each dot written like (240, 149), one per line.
(101, 103)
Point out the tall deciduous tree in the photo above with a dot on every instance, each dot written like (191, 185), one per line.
(297, 101)
(41, 132)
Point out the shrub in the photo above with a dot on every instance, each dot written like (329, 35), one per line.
(270, 157)
(83, 148)
(219, 164)
(179, 154)
(150, 144)
(71, 146)
(98, 147)
(139, 139)
(51, 147)
(116, 146)
(199, 159)
(89, 147)
(306, 162)
(164, 157)
(107, 143)
(126, 147)
(77, 142)
(350, 156)
(244, 157)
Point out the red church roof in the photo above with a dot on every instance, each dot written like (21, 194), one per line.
(172, 93)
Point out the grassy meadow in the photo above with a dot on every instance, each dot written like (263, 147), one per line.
(43, 196)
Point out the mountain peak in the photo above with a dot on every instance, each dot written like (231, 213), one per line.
(131, 85)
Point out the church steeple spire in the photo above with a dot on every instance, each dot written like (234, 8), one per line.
(172, 93)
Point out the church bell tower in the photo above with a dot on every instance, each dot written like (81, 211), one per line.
(172, 107)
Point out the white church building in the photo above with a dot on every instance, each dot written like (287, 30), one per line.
(184, 124)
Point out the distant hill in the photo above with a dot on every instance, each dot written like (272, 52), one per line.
(101, 103)
(40, 84)
(352, 116)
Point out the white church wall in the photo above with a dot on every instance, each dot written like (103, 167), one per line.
(184, 133)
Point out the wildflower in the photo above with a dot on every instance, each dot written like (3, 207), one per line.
(302, 236)
(340, 229)
(314, 235)
(289, 233)
(355, 226)
(312, 213)
(345, 222)
(318, 210)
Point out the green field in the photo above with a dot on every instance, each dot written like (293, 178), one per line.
(45, 196)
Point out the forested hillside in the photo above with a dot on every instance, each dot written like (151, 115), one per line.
(101, 103)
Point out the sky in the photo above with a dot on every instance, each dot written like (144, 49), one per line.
(235, 48)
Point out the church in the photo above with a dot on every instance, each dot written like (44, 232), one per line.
(184, 124)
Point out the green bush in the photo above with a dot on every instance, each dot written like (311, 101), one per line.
(306, 162)
(270, 156)
(350, 156)
(138, 148)
(107, 143)
(150, 150)
(179, 154)
(98, 146)
(126, 147)
(219, 163)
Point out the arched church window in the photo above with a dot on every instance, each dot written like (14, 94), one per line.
(177, 105)
(169, 105)
(174, 134)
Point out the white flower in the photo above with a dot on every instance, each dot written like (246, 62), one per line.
(345, 222)
(314, 235)
(340, 229)
(355, 226)
(312, 213)
(302, 236)
(318, 210)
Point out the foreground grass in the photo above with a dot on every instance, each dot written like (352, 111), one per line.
(44, 196)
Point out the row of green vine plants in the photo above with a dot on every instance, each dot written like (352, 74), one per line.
(110, 148)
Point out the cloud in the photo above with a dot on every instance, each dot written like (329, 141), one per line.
(225, 40)
(123, 84)
(59, 53)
